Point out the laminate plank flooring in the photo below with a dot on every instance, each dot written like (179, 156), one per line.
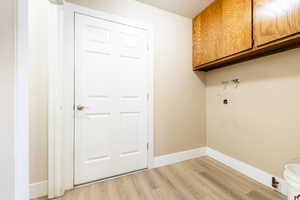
(198, 179)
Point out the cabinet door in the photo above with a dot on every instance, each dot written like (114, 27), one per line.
(275, 19)
(207, 35)
(236, 26)
(222, 29)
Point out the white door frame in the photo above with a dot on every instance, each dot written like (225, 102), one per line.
(56, 184)
(61, 93)
(21, 136)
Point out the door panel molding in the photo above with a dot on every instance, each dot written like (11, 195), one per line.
(62, 176)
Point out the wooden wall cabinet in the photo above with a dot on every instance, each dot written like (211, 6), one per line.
(231, 31)
(275, 19)
(223, 29)
(207, 37)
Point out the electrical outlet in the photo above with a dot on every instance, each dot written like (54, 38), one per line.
(275, 184)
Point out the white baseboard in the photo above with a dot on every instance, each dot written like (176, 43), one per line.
(164, 160)
(39, 189)
(248, 170)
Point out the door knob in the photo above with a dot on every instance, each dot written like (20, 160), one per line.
(80, 107)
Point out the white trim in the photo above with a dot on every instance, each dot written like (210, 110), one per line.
(21, 146)
(248, 170)
(39, 189)
(149, 28)
(57, 2)
(68, 100)
(169, 159)
(61, 96)
(55, 99)
(242, 167)
(68, 88)
(106, 16)
(151, 99)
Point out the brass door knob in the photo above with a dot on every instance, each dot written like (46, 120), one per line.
(80, 107)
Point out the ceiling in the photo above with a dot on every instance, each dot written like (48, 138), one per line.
(187, 8)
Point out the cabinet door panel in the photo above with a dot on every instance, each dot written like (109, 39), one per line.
(237, 26)
(207, 35)
(275, 19)
(222, 29)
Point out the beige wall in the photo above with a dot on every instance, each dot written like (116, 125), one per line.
(262, 125)
(179, 93)
(38, 89)
(7, 99)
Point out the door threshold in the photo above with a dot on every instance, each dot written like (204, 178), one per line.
(109, 178)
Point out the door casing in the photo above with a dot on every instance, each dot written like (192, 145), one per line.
(63, 177)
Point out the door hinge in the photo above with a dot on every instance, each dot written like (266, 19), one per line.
(148, 96)
(147, 146)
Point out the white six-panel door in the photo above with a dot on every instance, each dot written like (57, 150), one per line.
(111, 86)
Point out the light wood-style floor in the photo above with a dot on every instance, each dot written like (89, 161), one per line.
(197, 179)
